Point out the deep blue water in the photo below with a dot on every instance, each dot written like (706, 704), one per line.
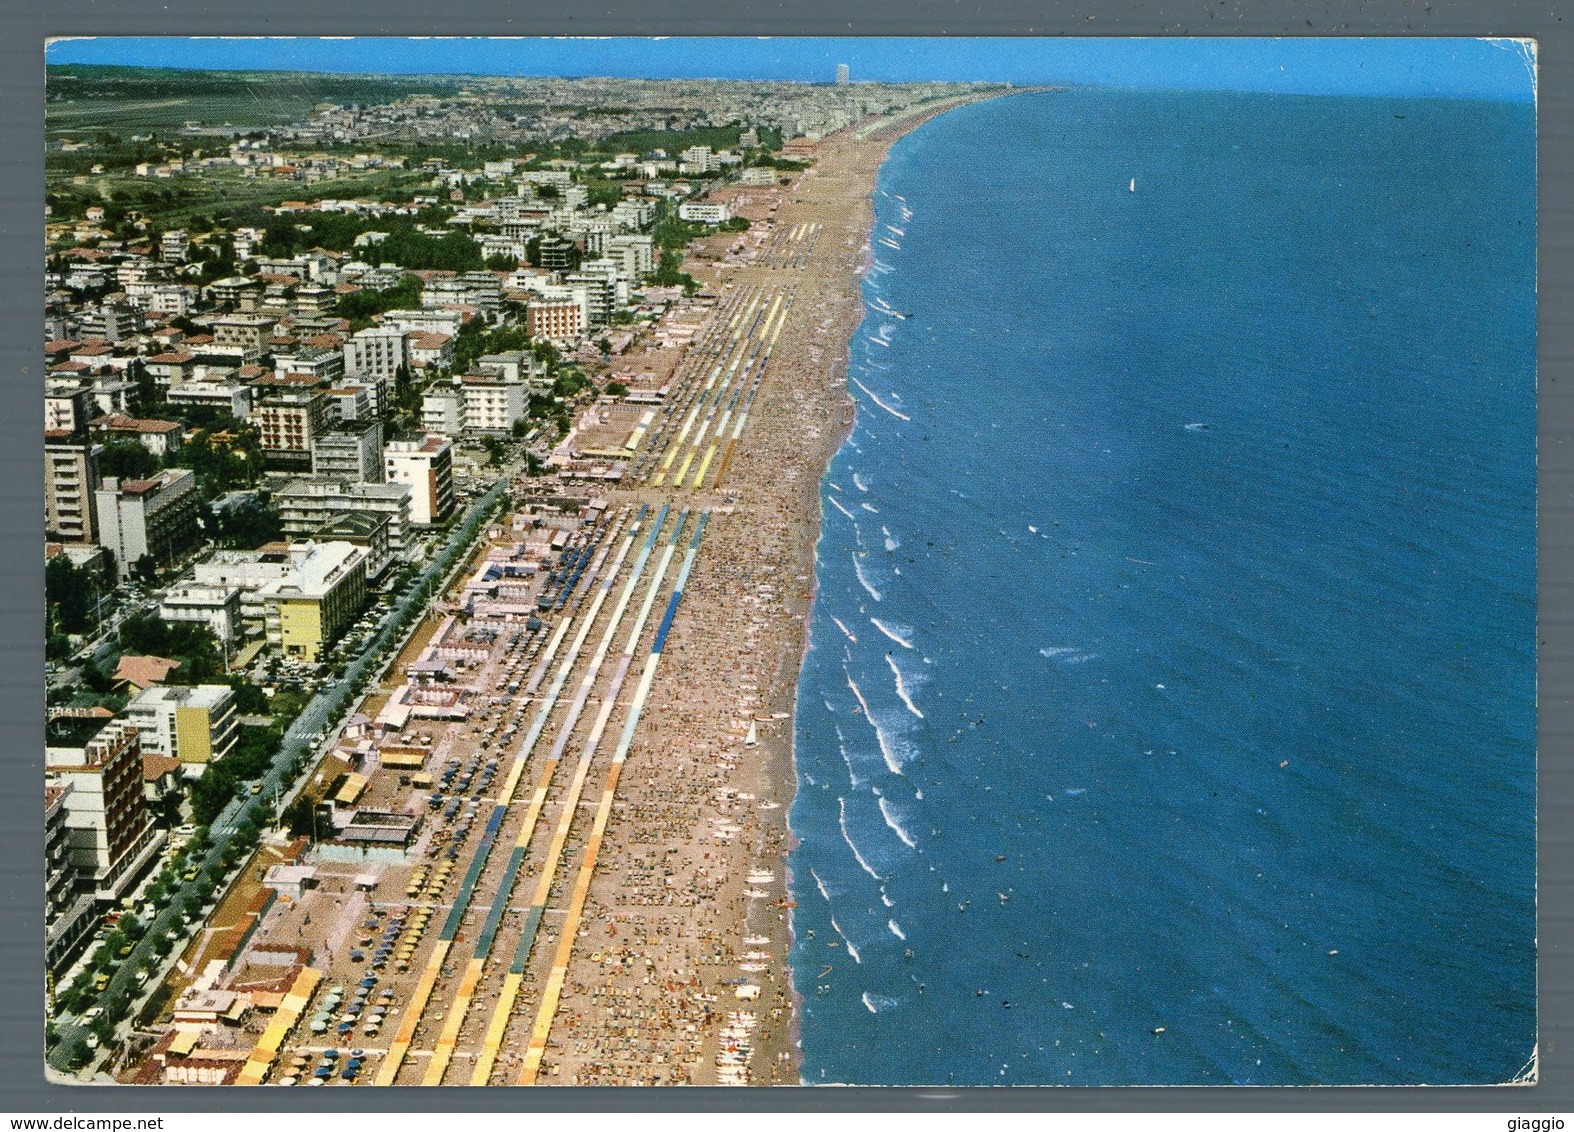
(1211, 529)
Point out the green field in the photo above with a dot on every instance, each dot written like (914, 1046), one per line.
(172, 203)
(81, 98)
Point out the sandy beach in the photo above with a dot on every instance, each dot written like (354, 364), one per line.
(695, 887)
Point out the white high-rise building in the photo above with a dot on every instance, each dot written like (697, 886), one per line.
(427, 466)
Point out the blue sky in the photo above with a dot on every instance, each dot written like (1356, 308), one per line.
(1450, 68)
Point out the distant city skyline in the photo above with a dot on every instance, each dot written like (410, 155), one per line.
(1445, 68)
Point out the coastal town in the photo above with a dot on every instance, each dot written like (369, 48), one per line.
(431, 487)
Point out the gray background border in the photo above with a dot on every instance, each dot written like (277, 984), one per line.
(22, 1088)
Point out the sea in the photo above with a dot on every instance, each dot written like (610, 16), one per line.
(1169, 710)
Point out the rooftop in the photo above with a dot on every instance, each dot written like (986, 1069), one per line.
(144, 671)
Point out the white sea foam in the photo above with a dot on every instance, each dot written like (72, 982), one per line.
(863, 580)
(1075, 791)
(879, 1002)
(888, 748)
(1067, 655)
(891, 541)
(841, 745)
(896, 929)
(858, 482)
(901, 688)
(871, 508)
(894, 412)
(896, 828)
(901, 634)
(1032, 529)
(836, 503)
(857, 856)
(851, 950)
(857, 692)
(844, 629)
(820, 884)
(885, 898)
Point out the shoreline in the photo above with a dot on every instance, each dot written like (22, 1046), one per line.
(847, 165)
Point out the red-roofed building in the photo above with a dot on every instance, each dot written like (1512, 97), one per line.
(139, 672)
(159, 437)
(429, 348)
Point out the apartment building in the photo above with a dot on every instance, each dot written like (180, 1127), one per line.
(351, 451)
(289, 421)
(308, 609)
(427, 467)
(443, 409)
(306, 504)
(110, 834)
(492, 403)
(703, 213)
(557, 320)
(155, 517)
(217, 607)
(377, 352)
(70, 479)
(196, 725)
(244, 335)
(69, 909)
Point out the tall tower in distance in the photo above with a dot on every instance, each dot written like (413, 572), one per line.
(842, 78)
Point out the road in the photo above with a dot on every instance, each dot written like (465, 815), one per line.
(289, 770)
